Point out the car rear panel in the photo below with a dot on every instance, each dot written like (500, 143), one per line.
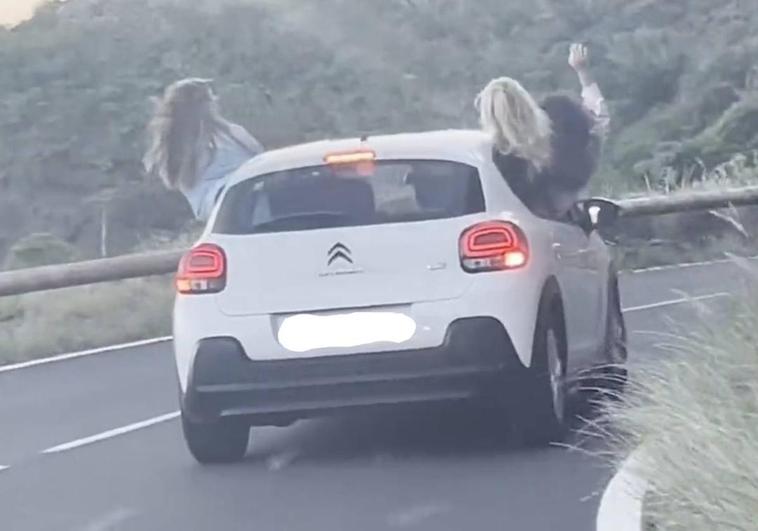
(357, 267)
(409, 267)
(509, 297)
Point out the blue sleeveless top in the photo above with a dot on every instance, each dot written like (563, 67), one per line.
(230, 154)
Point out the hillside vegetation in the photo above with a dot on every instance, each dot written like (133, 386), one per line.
(76, 81)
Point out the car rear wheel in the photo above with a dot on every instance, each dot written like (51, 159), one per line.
(539, 413)
(221, 441)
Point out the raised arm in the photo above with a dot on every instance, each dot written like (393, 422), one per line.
(592, 97)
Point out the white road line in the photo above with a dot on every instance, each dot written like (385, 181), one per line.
(111, 433)
(80, 354)
(621, 505)
(673, 302)
(685, 265)
(111, 520)
(3, 467)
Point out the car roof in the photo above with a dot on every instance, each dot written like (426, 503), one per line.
(457, 145)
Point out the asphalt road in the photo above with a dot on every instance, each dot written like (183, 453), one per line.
(443, 469)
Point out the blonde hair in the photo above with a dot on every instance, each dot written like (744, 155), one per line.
(183, 131)
(519, 126)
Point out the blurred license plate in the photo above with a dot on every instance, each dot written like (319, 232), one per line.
(306, 332)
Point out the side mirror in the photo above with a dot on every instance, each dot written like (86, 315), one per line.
(598, 213)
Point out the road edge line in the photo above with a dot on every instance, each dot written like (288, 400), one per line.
(674, 302)
(84, 353)
(621, 504)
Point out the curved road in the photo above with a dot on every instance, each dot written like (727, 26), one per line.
(441, 469)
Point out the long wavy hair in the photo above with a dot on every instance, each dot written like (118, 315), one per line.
(518, 124)
(182, 132)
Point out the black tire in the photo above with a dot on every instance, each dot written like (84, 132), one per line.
(536, 416)
(614, 375)
(222, 441)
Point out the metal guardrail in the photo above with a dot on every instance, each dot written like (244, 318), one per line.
(89, 272)
(683, 202)
(165, 262)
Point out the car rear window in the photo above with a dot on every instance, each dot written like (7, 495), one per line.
(320, 197)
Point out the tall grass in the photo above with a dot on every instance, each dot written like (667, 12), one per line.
(43, 324)
(695, 413)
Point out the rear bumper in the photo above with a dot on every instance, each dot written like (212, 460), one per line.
(225, 382)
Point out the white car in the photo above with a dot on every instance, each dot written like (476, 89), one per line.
(382, 271)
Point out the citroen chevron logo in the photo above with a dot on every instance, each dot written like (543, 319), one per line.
(339, 250)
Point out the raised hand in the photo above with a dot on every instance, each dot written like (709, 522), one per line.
(579, 57)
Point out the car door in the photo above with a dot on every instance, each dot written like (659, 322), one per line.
(579, 259)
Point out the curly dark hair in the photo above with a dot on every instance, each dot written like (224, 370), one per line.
(573, 162)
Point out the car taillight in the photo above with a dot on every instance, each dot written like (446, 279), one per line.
(493, 246)
(202, 270)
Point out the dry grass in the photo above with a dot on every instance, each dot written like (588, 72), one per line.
(48, 323)
(696, 413)
(43, 324)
